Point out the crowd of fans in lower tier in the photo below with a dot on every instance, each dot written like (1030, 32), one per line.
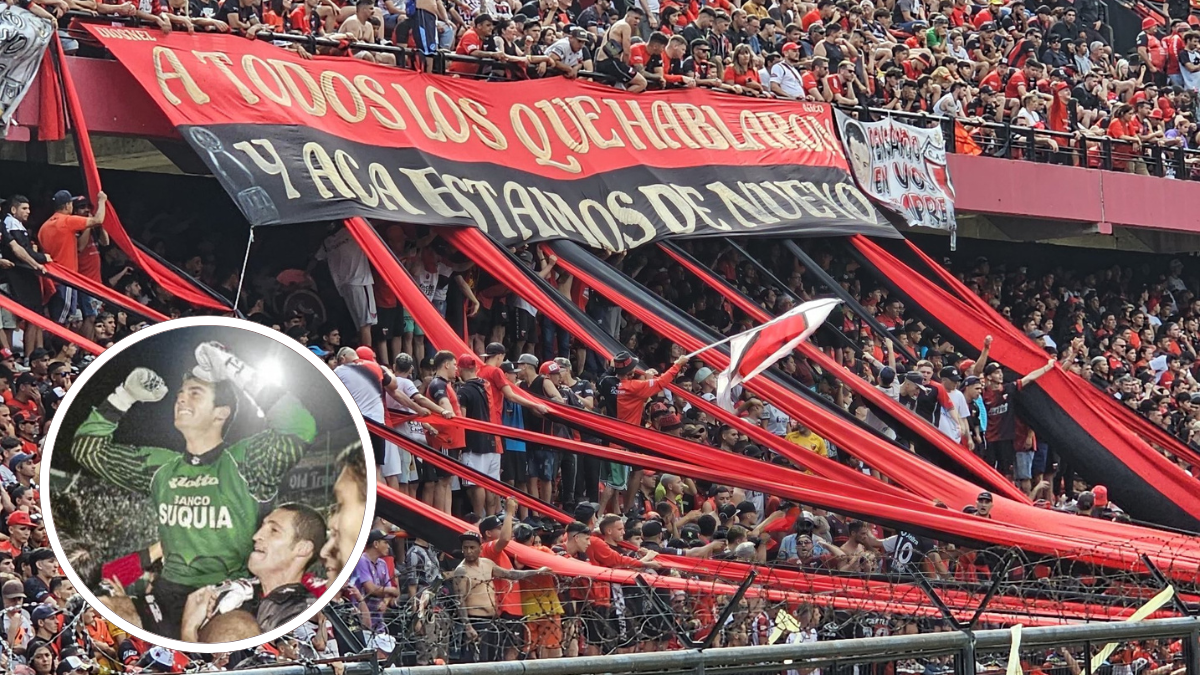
(1130, 331)
(1050, 67)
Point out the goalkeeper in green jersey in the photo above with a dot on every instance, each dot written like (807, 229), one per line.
(207, 500)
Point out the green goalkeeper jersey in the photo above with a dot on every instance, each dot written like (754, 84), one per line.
(206, 506)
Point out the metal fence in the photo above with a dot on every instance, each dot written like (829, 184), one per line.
(958, 653)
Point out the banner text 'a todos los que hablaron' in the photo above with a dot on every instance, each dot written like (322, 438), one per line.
(296, 140)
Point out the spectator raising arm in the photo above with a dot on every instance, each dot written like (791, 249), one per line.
(1034, 375)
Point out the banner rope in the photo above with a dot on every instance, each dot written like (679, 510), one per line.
(242, 275)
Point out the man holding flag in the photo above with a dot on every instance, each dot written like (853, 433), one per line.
(757, 349)
(633, 392)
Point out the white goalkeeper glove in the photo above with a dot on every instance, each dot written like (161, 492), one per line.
(141, 386)
(215, 363)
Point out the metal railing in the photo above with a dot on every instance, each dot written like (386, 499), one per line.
(965, 647)
(968, 650)
(996, 139)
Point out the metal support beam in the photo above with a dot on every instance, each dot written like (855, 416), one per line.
(851, 303)
(828, 326)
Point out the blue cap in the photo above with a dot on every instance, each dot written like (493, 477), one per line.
(318, 351)
(887, 375)
(18, 459)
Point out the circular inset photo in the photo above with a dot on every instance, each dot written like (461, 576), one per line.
(205, 482)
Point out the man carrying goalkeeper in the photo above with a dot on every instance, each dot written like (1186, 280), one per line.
(208, 500)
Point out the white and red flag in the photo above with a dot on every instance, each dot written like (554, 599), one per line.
(757, 349)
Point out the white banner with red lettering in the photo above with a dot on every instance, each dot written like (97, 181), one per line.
(903, 167)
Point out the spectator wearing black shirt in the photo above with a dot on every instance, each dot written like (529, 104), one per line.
(766, 38)
(540, 382)
(717, 38)
(1088, 92)
(1053, 55)
(1090, 16)
(440, 391)
(701, 28)
(45, 568)
(1002, 420)
(739, 32)
(583, 392)
(480, 452)
(242, 16)
(1068, 28)
(596, 14)
(809, 42)
(189, 15)
(20, 266)
(784, 13)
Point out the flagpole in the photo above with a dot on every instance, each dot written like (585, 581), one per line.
(781, 317)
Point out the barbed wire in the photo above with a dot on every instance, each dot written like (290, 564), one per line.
(577, 615)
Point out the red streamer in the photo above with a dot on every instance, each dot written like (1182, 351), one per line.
(485, 253)
(172, 282)
(1184, 564)
(463, 471)
(964, 457)
(47, 325)
(1021, 356)
(1082, 388)
(99, 290)
(569, 567)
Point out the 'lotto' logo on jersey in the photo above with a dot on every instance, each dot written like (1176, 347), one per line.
(198, 481)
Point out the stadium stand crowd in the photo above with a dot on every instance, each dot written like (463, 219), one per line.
(1132, 332)
(1047, 68)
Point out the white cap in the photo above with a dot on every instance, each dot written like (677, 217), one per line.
(384, 642)
(163, 656)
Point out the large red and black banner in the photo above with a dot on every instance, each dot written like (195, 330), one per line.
(295, 140)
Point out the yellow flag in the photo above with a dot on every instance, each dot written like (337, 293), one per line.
(1014, 652)
(1156, 603)
(784, 623)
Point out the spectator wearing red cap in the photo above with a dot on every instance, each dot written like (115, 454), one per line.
(1152, 52)
(480, 450)
(1058, 118)
(785, 75)
(20, 527)
(670, 424)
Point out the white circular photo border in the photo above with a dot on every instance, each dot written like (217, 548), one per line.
(131, 342)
